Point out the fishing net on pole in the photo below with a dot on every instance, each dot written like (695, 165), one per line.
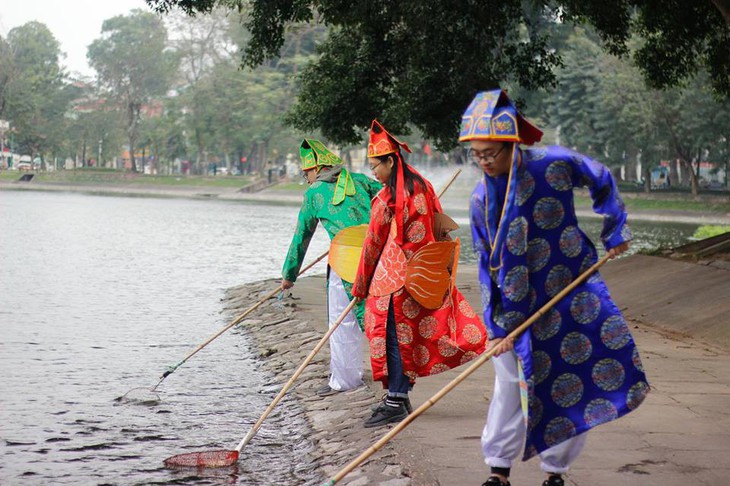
(216, 458)
(140, 396)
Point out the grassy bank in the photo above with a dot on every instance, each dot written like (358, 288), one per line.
(667, 202)
(635, 201)
(120, 178)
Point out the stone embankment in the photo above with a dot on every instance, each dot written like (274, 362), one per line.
(284, 333)
(678, 312)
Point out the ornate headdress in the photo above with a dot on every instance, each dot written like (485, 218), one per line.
(493, 116)
(383, 143)
(315, 155)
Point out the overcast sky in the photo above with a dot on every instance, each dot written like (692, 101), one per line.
(74, 23)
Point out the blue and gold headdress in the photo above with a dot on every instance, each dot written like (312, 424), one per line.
(492, 116)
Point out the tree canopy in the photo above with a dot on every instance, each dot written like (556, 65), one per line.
(421, 62)
(133, 63)
(32, 93)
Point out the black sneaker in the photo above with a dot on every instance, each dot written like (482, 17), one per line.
(407, 402)
(387, 414)
(554, 480)
(495, 481)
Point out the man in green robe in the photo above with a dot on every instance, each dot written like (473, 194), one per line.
(338, 199)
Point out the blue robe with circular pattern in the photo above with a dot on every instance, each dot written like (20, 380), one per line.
(579, 363)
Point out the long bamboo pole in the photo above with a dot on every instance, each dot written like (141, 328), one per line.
(314, 352)
(235, 321)
(296, 374)
(462, 376)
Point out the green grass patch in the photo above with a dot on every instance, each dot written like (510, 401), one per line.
(122, 178)
(289, 186)
(662, 204)
(708, 231)
(7, 175)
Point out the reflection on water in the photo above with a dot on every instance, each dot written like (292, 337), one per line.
(100, 294)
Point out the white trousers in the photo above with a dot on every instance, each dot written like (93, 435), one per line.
(346, 341)
(503, 437)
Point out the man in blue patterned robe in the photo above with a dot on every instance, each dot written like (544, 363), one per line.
(576, 367)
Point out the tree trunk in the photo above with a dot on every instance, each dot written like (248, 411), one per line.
(616, 171)
(201, 150)
(132, 163)
(646, 173)
(255, 158)
(133, 110)
(347, 157)
(631, 159)
(694, 184)
(250, 159)
(673, 173)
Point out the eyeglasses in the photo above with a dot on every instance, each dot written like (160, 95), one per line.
(478, 156)
(372, 169)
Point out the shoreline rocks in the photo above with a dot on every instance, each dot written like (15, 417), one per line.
(283, 333)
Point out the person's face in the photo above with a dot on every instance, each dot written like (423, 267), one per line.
(492, 157)
(381, 168)
(310, 175)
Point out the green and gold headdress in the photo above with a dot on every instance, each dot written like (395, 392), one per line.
(315, 155)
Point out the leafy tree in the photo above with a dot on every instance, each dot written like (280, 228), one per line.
(624, 122)
(7, 73)
(575, 103)
(94, 127)
(604, 108)
(133, 64)
(422, 61)
(33, 96)
(163, 137)
(201, 43)
(695, 125)
(230, 113)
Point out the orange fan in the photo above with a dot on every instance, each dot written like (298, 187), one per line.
(428, 277)
(390, 274)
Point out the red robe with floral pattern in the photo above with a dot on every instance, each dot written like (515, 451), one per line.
(430, 341)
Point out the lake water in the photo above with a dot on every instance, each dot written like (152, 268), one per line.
(98, 295)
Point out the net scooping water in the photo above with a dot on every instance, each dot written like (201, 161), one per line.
(139, 396)
(218, 458)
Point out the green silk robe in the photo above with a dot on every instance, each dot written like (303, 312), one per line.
(317, 207)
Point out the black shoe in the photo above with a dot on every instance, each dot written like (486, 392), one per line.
(327, 391)
(387, 414)
(554, 480)
(495, 481)
(407, 403)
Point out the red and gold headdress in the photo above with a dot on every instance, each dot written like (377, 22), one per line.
(383, 143)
